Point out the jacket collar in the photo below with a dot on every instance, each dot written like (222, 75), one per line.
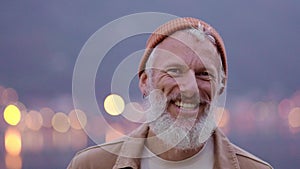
(225, 155)
(132, 148)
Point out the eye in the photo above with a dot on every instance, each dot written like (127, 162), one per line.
(174, 71)
(205, 75)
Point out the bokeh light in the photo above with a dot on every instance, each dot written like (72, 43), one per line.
(20, 106)
(47, 115)
(262, 110)
(34, 120)
(8, 96)
(1, 91)
(60, 122)
(12, 115)
(114, 104)
(284, 108)
(21, 125)
(78, 119)
(294, 117)
(243, 117)
(13, 162)
(13, 142)
(296, 98)
(222, 117)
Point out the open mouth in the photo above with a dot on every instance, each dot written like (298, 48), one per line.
(186, 106)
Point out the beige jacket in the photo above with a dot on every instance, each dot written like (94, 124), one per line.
(227, 155)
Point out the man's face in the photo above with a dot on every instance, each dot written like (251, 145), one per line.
(186, 70)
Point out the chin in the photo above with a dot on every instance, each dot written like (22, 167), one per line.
(183, 134)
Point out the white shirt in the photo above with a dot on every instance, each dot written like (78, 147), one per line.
(203, 159)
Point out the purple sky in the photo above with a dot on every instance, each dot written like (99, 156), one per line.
(40, 41)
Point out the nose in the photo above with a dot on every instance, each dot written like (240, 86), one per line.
(188, 84)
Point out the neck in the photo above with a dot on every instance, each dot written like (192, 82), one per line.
(157, 146)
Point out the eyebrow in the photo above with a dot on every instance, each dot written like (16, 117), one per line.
(208, 67)
(168, 65)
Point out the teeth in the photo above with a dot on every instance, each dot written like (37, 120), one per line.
(186, 105)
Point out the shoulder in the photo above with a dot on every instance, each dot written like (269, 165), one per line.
(99, 156)
(248, 160)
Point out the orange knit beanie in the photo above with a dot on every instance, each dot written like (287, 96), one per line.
(180, 24)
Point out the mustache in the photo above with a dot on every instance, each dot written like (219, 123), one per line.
(194, 99)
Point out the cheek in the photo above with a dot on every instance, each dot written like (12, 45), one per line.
(206, 89)
(165, 83)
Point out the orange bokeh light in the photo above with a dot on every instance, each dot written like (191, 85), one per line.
(78, 119)
(13, 162)
(8, 96)
(34, 120)
(294, 117)
(60, 122)
(13, 143)
(224, 120)
(1, 91)
(284, 107)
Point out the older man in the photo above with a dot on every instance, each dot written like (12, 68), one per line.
(182, 74)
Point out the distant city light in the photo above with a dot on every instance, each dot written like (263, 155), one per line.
(114, 104)
(34, 120)
(244, 117)
(78, 119)
(294, 117)
(284, 108)
(13, 162)
(13, 143)
(60, 122)
(1, 91)
(12, 115)
(222, 117)
(296, 98)
(8, 96)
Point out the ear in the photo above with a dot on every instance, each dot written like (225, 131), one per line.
(143, 83)
(223, 84)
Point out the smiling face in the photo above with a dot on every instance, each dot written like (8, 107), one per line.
(182, 83)
(187, 71)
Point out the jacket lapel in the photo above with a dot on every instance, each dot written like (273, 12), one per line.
(132, 148)
(225, 156)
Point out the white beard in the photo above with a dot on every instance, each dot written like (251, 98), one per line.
(171, 131)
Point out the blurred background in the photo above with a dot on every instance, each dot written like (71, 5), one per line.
(40, 42)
